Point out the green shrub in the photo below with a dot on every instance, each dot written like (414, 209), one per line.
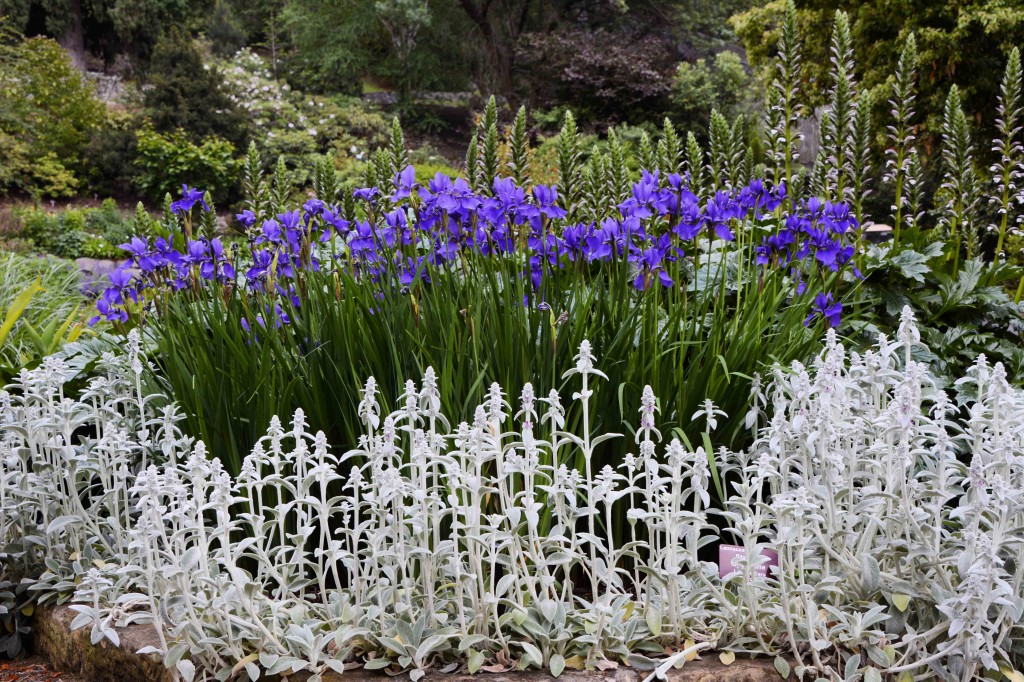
(166, 161)
(301, 128)
(110, 155)
(99, 247)
(189, 95)
(699, 87)
(108, 223)
(78, 232)
(48, 110)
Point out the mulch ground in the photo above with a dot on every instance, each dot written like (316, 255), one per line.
(32, 670)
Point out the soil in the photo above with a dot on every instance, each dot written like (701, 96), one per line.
(32, 670)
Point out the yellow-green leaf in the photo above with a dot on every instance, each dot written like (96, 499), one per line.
(1011, 674)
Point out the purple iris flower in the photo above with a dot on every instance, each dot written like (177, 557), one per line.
(271, 232)
(189, 198)
(333, 218)
(311, 208)
(366, 193)
(108, 311)
(405, 183)
(650, 265)
(547, 201)
(246, 218)
(829, 309)
(719, 211)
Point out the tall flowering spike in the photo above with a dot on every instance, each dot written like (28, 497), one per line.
(726, 151)
(902, 145)
(496, 403)
(430, 396)
(670, 150)
(1009, 148)
(527, 400)
(648, 407)
(959, 190)
(696, 168)
(519, 149)
(555, 414)
(473, 161)
(254, 185)
(618, 172)
(837, 133)
(569, 163)
(411, 397)
(774, 130)
(398, 156)
(369, 409)
(490, 153)
(861, 155)
(788, 78)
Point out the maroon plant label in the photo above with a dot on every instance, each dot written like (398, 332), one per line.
(730, 555)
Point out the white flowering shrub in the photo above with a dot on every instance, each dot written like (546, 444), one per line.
(894, 518)
(299, 127)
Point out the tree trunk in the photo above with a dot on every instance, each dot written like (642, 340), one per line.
(499, 46)
(73, 37)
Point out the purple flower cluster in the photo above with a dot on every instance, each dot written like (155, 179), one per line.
(409, 230)
(817, 229)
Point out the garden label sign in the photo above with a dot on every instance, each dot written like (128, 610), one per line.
(729, 555)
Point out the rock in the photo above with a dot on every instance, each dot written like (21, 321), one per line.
(93, 273)
(71, 652)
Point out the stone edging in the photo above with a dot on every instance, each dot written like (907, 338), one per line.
(71, 652)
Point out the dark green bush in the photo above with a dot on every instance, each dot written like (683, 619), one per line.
(110, 156)
(186, 94)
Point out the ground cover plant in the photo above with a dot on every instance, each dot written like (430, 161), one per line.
(480, 545)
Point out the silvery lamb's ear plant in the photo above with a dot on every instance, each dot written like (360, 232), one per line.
(894, 515)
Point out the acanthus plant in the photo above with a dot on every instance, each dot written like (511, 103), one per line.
(480, 545)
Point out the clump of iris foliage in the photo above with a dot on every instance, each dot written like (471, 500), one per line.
(677, 291)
